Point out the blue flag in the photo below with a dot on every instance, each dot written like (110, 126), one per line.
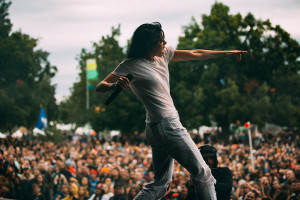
(42, 122)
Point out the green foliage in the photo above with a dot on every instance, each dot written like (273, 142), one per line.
(25, 75)
(5, 24)
(262, 88)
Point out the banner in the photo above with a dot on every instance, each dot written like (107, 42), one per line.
(91, 69)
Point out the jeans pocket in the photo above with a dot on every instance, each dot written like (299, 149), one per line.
(173, 124)
(156, 134)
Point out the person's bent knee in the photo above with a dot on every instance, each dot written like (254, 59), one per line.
(203, 174)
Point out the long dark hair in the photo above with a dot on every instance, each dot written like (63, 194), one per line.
(144, 40)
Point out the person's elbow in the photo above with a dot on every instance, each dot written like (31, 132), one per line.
(98, 88)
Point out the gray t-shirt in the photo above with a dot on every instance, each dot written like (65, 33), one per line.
(151, 84)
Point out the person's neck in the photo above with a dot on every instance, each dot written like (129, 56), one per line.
(150, 57)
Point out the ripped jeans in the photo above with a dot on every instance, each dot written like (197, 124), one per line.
(170, 140)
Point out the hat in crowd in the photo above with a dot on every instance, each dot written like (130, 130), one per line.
(175, 195)
(68, 162)
(105, 169)
(93, 171)
(207, 150)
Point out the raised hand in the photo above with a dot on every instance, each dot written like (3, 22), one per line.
(123, 82)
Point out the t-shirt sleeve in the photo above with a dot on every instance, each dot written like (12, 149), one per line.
(120, 70)
(168, 53)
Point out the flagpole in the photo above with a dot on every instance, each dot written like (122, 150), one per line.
(251, 148)
(87, 92)
(248, 126)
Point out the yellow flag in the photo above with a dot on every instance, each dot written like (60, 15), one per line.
(91, 64)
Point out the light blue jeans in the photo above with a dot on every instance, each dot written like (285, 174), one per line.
(170, 140)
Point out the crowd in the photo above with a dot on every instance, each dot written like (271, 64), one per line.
(117, 168)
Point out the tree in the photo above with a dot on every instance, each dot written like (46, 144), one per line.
(233, 91)
(25, 75)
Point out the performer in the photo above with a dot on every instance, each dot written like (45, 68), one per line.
(223, 175)
(147, 61)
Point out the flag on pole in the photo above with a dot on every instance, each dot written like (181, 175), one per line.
(91, 74)
(42, 122)
(91, 69)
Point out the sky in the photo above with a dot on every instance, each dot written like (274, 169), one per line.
(64, 27)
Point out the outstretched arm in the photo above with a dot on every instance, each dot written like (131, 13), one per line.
(199, 54)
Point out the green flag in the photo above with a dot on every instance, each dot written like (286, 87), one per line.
(91, 69)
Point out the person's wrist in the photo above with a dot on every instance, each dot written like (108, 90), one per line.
(113, 85)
